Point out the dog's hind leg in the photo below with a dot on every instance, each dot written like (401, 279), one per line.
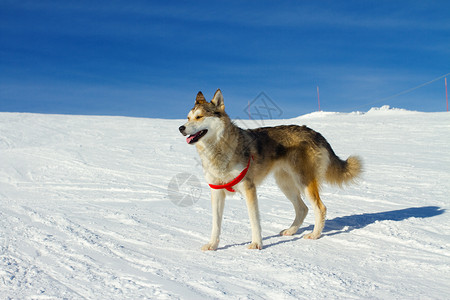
(289, 188)
(312, 190)
(218, 204)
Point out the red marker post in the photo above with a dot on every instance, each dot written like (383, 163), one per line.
(318, 97)
(446, 94)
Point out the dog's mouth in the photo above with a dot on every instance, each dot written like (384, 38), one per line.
(193, 138)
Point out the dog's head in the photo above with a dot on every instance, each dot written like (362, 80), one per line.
(206, 120)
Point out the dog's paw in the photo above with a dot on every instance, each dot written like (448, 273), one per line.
(312, 236)
(255, 245)
(289, 231)
(210, 247)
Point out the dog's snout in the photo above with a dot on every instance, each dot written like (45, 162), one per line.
(182, 128)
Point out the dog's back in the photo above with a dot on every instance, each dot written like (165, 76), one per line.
(304, 151)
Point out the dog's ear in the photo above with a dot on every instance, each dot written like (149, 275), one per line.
(200, 98)
(218, 100)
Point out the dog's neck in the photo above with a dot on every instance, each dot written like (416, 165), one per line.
(219, 155)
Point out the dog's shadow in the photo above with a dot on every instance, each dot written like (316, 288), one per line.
(349, 223)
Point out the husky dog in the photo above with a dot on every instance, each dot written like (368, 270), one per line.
(237, 160)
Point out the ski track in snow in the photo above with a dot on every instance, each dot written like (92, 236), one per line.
(85, 214)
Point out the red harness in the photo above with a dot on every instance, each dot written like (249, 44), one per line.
(229, 186)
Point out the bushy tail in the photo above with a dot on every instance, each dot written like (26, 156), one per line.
(340, 171)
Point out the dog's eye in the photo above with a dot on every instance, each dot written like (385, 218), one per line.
(199, 117)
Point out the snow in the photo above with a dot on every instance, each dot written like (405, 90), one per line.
(86, 213)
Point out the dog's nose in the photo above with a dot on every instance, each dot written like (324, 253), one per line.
(182, 128)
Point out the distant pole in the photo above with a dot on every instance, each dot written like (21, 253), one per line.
(248, 107)
(446, 93)
(318, 96)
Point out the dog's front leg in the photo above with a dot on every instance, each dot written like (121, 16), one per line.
(217, 203)
(253, 213)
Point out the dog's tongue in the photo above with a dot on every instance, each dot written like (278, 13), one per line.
(191, 137)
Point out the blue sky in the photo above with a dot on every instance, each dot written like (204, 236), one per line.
(150, 58)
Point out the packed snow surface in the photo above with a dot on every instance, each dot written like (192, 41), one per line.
(86, 212)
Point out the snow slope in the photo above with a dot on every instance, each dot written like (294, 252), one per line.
(86, 214)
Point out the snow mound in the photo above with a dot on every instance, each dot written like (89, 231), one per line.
(386, 109)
